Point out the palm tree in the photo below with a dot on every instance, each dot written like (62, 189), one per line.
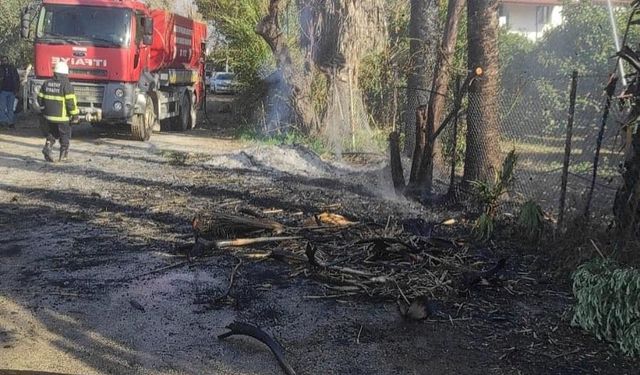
(483, 134)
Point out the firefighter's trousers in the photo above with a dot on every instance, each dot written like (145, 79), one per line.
(57, 131)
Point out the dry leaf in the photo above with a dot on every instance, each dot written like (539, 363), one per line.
(449, 222)
(328, 219)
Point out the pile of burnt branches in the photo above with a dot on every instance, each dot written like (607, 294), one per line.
(401, 260)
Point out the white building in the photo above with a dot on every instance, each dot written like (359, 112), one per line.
(532, 18)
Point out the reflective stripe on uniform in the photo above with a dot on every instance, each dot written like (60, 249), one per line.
(57, 119)
(62, 100)
(74, 100)
(63, 108)
(59, 101)
(51, 97)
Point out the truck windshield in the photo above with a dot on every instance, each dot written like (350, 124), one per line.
(100, 26)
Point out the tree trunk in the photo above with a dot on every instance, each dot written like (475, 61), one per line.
(423, 31)
(299, 84)
(483, 134)
(627, 199)
(345, 31)
(418, 151)
(397, 173)
(439, 89)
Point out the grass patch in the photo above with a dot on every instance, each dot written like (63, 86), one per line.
(284, 139)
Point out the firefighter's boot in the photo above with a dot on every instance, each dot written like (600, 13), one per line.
(47, 151)
(64, 155)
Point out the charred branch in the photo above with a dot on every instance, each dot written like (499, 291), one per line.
(245, 329)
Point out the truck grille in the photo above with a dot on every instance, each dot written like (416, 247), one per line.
(89, 72)
(89, 96)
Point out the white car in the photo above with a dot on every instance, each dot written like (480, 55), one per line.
(223, 83)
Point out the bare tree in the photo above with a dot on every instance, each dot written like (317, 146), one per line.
(483, 134)
(423, 161)
(299, 83)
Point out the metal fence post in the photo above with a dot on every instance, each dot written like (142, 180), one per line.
(609, 90)
(567, 147)
(454, 152)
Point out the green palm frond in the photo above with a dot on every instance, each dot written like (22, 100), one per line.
(531, 219)
(608, 303)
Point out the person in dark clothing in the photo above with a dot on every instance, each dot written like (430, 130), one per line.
(9, 87)
(59, 107)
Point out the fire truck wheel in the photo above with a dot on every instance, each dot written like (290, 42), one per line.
(183, 121)
(150, 119)
(156, 127)
(142, 124)
(193, 114)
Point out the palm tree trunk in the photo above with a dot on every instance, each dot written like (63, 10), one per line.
(483, 133)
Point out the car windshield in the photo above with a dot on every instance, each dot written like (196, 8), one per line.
(100, 26)
(225, 76)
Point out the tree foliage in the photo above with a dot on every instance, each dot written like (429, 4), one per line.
(160, 4)
(243, 49)
(584, 43)
(382, 73)
(18, 50)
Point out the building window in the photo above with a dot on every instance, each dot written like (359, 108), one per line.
(543, 15)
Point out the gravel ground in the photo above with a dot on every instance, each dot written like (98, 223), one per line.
(80, 244)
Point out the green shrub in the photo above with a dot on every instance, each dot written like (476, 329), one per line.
(531, 219)
(608, 303)
(489, 193)
(484, 226)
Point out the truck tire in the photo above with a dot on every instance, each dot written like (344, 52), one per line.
(183, 121)
(156, 126)
(142, 124)
(194, 114)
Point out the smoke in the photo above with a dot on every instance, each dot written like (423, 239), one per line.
(346, 124)
(276, 116)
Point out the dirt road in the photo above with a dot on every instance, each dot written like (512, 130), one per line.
(81, 245)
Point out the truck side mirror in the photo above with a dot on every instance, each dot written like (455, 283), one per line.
(147, 24)
(25, 23)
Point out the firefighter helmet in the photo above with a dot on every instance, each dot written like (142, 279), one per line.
(61, 68)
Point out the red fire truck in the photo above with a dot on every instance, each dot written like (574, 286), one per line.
(128, 63)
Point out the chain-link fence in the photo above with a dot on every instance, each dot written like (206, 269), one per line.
(534, 114)
(531, 117)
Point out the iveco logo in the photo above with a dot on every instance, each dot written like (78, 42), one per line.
(79, 61)
(79, 54)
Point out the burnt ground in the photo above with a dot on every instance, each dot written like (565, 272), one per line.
(84, 289)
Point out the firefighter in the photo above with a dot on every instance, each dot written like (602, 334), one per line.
(59, 107)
